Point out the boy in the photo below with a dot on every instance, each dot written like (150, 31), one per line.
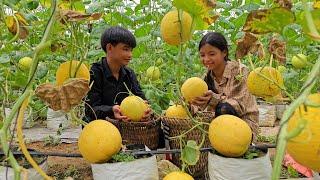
(110, 74)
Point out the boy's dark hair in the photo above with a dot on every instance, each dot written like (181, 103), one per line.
(115, 35)
(217, 40)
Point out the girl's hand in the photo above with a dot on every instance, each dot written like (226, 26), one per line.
(202, 100)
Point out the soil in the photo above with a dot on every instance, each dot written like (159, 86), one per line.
(78, 168)
(62, 167)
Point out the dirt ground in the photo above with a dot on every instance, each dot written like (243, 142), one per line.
(62, 167)
(79, 169)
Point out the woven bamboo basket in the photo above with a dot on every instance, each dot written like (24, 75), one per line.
(175, 126)
(146, 133)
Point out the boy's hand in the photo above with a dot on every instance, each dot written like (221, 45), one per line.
(147, 113)
(117, 114)
(202, 100)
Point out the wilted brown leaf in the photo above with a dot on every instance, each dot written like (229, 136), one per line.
(268, 20)
(211, 19)
(95, 16)
(209, 4)
(258, 50)
(284, 3)
(278, 49)
(63, 97)
(75, 16)
(21, 19)
(244, 44)
(12, 25)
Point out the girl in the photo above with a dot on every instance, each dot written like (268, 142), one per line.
(228, 93)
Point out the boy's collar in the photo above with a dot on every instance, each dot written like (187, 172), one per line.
(108, 70)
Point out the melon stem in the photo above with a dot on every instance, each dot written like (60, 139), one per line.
(26, 91)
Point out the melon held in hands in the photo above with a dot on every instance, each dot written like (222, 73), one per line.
(193, 87)
(133, 107)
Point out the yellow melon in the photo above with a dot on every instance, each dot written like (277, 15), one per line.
(177, 175)
(262, 87)
(68, 70)
(170, 27)
(176, 111)
(133, 107)
(193, 87)
(153, 73)
(230, 135)
(99, 141)
(299, 61)
(305, 148)
(25, 63)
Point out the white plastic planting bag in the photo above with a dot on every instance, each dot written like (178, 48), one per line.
(55, 118)
(222, 168)
(27, 118)
(32, 174)
(140, 169)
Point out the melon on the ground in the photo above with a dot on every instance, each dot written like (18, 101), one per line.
(99, 141)
(178, 175)
(230, 135)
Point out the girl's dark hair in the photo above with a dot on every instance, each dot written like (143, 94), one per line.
(217, 40)
(115, 35)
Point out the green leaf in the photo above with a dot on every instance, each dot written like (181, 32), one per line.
(199, 10)
(32, 5)
(250, 7)
(144, 2)
(138, 51)
(268, 20)
(303, 21)
(79, 6)
(142, 31)
(41, 71)
(190, 153)
(190, 6)
(20, 79)
(4, 58)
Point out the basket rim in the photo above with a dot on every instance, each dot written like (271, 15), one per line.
(152, 120)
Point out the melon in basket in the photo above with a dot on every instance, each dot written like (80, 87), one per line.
(176, 111)
(133, 107)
